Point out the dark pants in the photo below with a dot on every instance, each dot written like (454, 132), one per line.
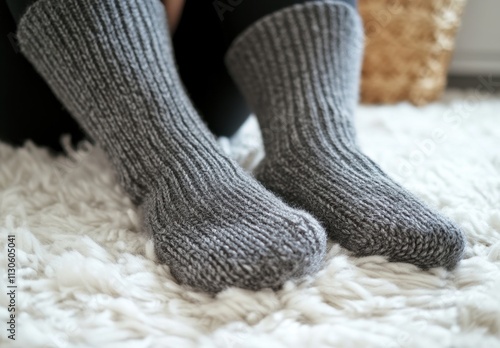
(29, 110)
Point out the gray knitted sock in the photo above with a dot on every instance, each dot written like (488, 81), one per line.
(300, 68)
(110, 63)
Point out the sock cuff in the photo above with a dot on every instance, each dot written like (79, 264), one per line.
(87, 32)
(322, 6)
(311, 51)
(319, 36)
(74, 18)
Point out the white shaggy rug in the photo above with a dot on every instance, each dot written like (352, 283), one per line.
(86, 273)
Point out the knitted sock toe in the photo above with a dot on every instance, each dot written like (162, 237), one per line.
(110, 63)
(299, 68)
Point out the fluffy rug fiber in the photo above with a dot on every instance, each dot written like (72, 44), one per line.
(87, 276)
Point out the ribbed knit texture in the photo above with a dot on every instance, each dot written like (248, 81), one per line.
(300, 69)
(110, 63)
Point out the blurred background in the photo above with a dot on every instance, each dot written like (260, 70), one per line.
(414, 49)
(477, 48)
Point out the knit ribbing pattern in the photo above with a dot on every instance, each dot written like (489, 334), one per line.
(111, 64)
(300, 68)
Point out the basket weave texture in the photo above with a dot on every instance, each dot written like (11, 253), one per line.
(408, 48)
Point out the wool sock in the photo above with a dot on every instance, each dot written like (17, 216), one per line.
(110, 63)
(299, 68)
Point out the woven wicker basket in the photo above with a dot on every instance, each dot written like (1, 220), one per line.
(408, 48)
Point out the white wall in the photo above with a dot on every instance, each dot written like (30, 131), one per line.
(478, 45)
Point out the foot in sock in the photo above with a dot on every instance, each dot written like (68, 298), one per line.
(299, 69)
(110, 63)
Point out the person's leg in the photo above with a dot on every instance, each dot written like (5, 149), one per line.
(200, 45)
(28, 108)
(299, 68)
(110, 62)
